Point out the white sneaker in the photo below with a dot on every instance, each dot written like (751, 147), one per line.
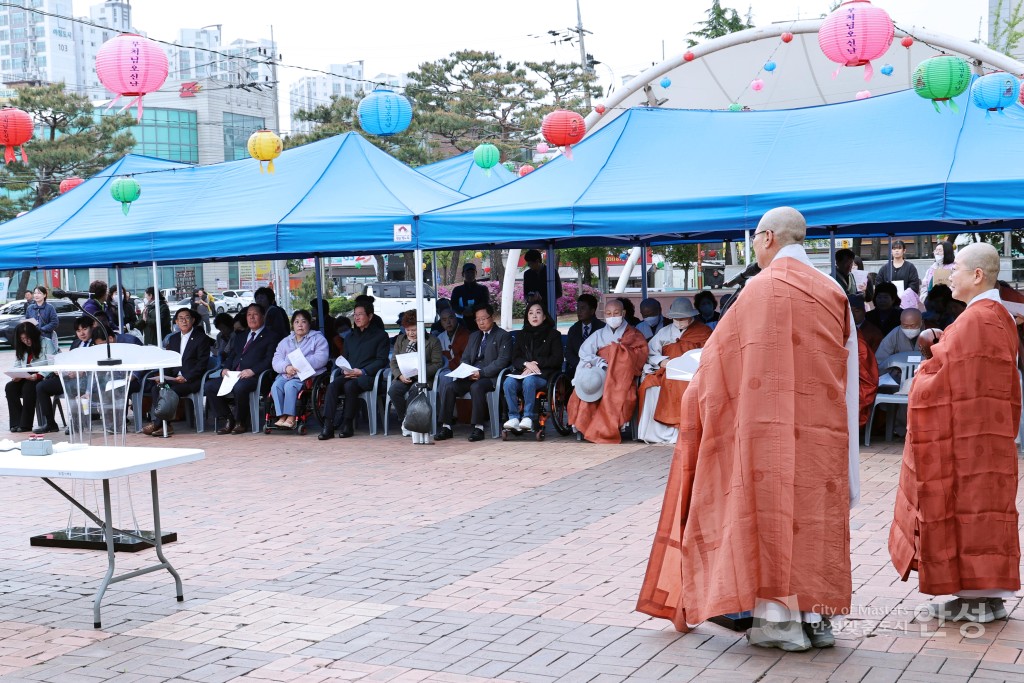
(406, 432)
(526, 423)
(513, 423)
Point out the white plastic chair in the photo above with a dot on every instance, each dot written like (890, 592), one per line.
(907, 362)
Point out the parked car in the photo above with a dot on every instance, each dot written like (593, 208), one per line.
(391, 299)
(232, 300)
(14, 312)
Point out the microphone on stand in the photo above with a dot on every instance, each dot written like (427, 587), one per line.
(74, 297)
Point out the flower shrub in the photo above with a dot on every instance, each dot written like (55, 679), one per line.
(566, 302)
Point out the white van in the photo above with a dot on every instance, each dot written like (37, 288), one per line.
(392, 299)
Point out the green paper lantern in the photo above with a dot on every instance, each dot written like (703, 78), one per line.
(510, 166)
(735, 106)
(661, 265)
(358, 265)
(126, 191)
(942, 78)
(486, 156)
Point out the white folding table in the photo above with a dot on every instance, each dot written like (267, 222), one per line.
(105, 463)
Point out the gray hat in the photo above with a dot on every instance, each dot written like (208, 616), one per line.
(681, 308)
(589, 383)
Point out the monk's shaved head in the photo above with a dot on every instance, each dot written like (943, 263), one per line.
(980, 256)
(613, 307)
(910, 316)
(787, 223)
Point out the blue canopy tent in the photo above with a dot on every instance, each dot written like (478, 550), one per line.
(461, 174)
(336, 196)
(877, 166)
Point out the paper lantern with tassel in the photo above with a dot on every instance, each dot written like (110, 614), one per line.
(264, 145)
(854, 34)
(384, 112)
(15, 130)
(69, 184)
(526, 168)
(486, 156)
(995, 92)
(564, 129)
(131, 66)
(941, 78)
(126, 191)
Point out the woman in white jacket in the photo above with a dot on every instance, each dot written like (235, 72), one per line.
(313, 346)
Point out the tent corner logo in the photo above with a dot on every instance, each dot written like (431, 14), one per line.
(403, 232)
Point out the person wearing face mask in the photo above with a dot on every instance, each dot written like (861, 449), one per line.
(902, 339)
(705, 303)
(653, 320)
(660, 399)
(604, 397)
(149, 318)
(938, 273)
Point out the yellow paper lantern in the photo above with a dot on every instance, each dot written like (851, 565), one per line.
(478, 254)
(264, 145)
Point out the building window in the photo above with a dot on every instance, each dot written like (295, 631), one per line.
(167, 134)
(237, 129)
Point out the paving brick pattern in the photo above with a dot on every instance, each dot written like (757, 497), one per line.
(368, 559)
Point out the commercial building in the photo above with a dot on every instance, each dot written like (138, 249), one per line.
(312, 91)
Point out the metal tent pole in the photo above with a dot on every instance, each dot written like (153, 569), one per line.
(552, 270)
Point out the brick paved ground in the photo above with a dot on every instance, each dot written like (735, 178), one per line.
(368, 559)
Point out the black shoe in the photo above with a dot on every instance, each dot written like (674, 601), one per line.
(326, 433)
(15, 429)
(347, 431)
(477, 434)
(443, 433)
(52, 428)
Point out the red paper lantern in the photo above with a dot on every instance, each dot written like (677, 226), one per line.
(131, 66)
(854, 34)
(524, 169)
(787, 37)
(564, 129)
(487, 269)
(69, 184)
(689, 56)
(16, 129)
(907, 42)
(600, 109)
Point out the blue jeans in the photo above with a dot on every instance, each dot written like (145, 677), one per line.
(528, 386)
(285, 391)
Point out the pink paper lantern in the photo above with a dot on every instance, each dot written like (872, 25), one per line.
(757, 85)
(863, 94)
(854, 34)
(542, 148)
(131, 66)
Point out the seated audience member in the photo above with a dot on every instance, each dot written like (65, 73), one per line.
(886, 313)
(537, 353)
(335, 344)
(653, 320)
(375, 320)
(194, 347)
(704, 302)
(344, 327)
(225, 326)
(872, 335)
(867, 366)
(407, 342)
(314, 348)
(490, 351)
(660, 397)
(937, 307)
(366, 350)
(866, 288)
(585, 325)
(844, 271)
(904, 338)
(442, 305)
(469, 296)
(113, 403)
(96, 303)
(629, 312)
(605, 384)
(239, 322)
(51, 386)
(956, 307)
(31, 348)
(276, 320)
(252, 352)
(453, 339)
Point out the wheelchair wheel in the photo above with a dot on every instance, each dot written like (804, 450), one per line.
(319, 391)
(301, 428)
(559, 392)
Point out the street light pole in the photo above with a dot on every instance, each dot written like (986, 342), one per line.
(584, 62)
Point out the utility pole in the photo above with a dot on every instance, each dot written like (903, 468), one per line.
(584, 62)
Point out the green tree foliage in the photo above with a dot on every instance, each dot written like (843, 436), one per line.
(1007, 26)
(721, 21)
(579, 258)
(681, 255)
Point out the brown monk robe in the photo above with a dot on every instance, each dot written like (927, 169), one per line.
(868, 379)
(624, 349)
(671, 396)
(955, 516)
(764, 471)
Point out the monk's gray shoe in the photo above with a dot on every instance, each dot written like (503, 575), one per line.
(997, 607)
(785, 635)
(977, 610)
(820, 633)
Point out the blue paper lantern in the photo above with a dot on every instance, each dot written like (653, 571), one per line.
(887, 70)
(623, 256)
(994, 92)
(769, 66)
(384, 112)
(666, 82)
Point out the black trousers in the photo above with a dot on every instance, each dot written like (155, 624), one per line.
(350, 387)
(399, 393)
(21, 403)
(478, 393)
(240, 393)
(46, 390)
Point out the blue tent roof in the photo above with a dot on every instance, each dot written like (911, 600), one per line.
(339, 195)
(463, 175)
(874, 166)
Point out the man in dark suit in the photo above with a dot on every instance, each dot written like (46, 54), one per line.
(585, 325)
(252, 352)
(490, 350)
(194, 347)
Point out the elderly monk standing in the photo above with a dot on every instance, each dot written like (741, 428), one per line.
(756, 511)
(618, 351)
(660, 398)
(956, 518)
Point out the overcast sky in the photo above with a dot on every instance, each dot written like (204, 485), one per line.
(396, 36)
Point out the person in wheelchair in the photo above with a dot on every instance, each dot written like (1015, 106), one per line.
(311, 345)
(536, 357)
(400, 384)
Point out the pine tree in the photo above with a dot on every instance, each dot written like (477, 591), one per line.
(721, 21)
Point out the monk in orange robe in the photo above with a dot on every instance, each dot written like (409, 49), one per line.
(756, 510)
(622, 349)
(659, 422)
(868, 368)
(956, 517)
